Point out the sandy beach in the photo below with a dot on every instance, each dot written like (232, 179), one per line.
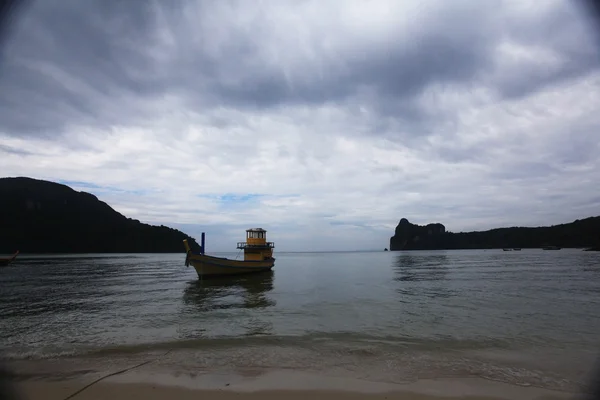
(103, 390)
(62, 383)
(60, 391)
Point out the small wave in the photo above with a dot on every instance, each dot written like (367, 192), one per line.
(351, 342)
(37, 354)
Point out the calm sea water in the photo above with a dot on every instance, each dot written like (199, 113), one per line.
(530, 317)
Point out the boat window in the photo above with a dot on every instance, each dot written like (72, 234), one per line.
(256, 235)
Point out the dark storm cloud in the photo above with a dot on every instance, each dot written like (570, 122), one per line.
(13, 150)
(65, 58)
(386, 76)
(394, 70)
(94, 63)
(563, 30)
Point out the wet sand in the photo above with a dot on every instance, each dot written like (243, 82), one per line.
(30, 382)
(60, 391)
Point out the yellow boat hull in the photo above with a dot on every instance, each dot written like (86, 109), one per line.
(207, 266)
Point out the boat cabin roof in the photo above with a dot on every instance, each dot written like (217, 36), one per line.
(255, 230)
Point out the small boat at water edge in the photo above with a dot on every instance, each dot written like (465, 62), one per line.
(4, 261)
(258, 257)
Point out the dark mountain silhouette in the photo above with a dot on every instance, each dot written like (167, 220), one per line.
(38, 216)
(584, 233)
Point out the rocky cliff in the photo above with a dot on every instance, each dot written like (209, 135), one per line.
(410, 236)
(580, 233)
(45, 217)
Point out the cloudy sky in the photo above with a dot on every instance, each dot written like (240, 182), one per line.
(324, 122)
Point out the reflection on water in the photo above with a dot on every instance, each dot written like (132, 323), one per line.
(428, 267)
(227, 292)
(421, 275)
(62, 285)
(233, 304)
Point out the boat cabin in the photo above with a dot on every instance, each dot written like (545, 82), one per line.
(256, 247)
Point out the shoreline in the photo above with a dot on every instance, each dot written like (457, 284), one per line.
(264, 366)
(227, 372)
(273, 384)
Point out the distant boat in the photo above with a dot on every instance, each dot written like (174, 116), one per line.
(4, 261)
(258, 257)
(551, 248)
(517, 249)
(385, 249)
(507, 249)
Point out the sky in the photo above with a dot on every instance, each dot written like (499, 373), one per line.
(322, 122)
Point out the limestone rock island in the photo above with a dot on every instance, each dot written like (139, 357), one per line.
(415, 237)
(581, 233)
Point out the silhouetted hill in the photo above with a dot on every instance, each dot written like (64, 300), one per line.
(38, 216)
(580, 233)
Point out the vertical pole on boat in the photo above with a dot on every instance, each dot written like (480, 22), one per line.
(202, 243)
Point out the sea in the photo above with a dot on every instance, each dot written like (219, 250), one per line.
(529, 318)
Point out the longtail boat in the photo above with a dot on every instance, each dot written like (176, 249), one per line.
(4, 261)
(258, 257)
